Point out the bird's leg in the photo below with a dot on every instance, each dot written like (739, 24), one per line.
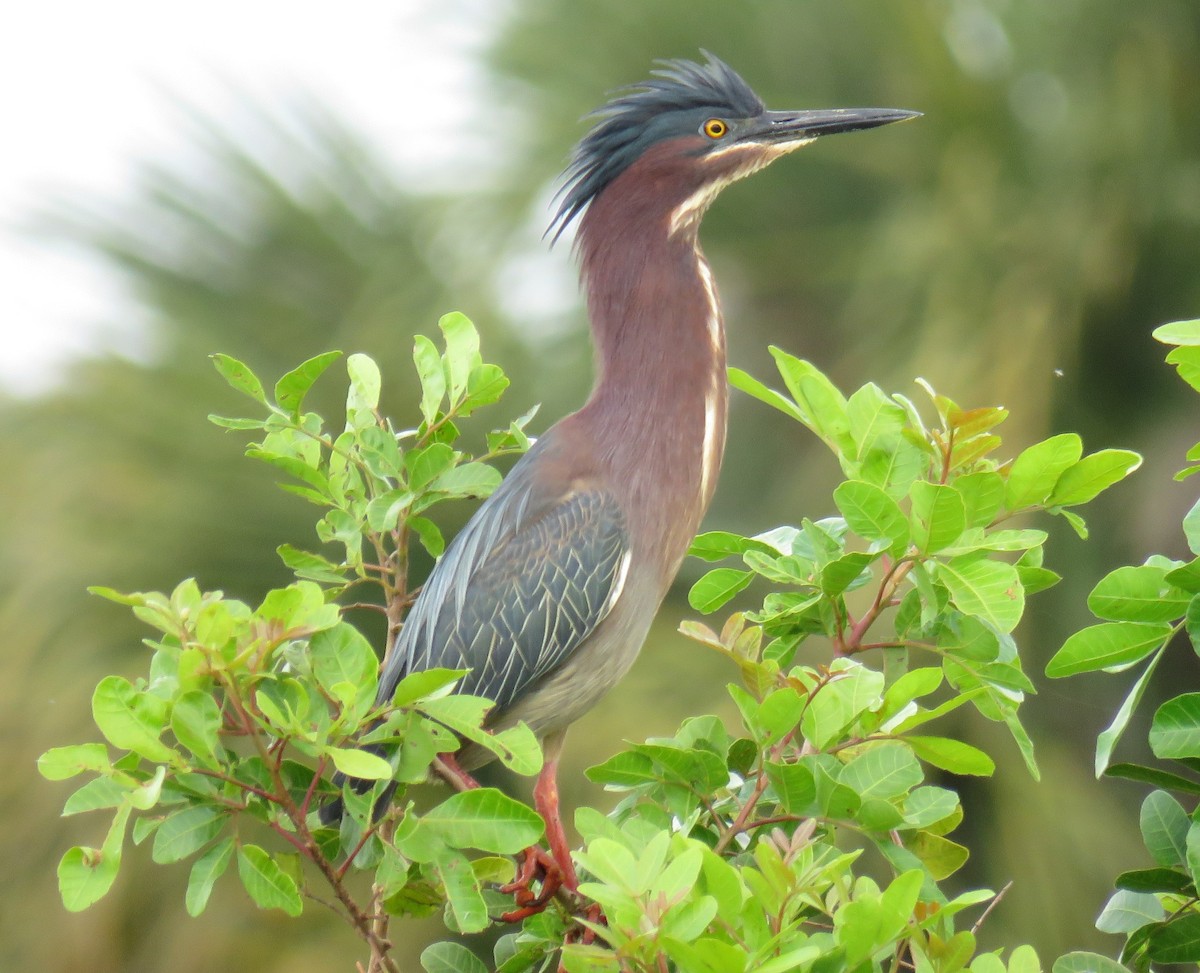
(545, 799)
(555, 870)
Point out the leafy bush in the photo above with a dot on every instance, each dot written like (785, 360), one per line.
(805, 838)
(1142, 608)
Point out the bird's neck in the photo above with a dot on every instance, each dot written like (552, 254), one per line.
(660, 402)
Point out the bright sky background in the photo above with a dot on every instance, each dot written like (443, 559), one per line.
(84, 94)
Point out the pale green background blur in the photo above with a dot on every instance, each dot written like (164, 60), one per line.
(1015, 246)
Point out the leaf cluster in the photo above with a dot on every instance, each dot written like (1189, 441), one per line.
(1141, 611)
(808, 837)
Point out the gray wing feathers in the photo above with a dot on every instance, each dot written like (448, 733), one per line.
(516, 593)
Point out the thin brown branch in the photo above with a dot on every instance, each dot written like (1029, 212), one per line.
(991, 905)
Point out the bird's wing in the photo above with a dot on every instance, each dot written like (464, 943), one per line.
(519, 589)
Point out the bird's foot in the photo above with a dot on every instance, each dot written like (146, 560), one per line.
(583, 932)
(540, 867)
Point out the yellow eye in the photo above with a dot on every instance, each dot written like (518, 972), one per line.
(714, 128)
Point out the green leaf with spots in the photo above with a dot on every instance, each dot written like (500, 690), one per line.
(240, 377)
(938, 516)
(988, 590)
(293, 387)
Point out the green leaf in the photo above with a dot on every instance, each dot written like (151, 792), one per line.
(1177, 941)
(938, 516)
(952, 755)
(1081, 962)
(196, 722)
(1152, 775)
(423, 683)
(717, 544)
(1092, 475)
(1155, 880)
(451, 958)
(983, 496)
(1186, 360)
(794, 784)
(841, 574)
(871, 513)
(1034, 473)
(95, 795)
(824, 407)
(61, 763)
(432, 376)
(1191, 528)
(1107, 741)
(989, 590)
(363, 397)
(717, 587)
(462, 352)
(293, 387)
(240, 377)
(429, 534)
(1127, 911)
(1175, 732)
(426, 464)
(1137, 594)
(1164, 825)
(1105, 646)
(186, 831)
(486, 819)
(941, 856)
(207, 869)
(1178, 333)
(266, 883)
(883, 771)
(467, 480)
(130, 719)
(305, 564)
(875, 420)
(744, 382)
(462, 892)
(86, 874)
(485, 385)
(359, 763)
(342, 654)
(228, 422)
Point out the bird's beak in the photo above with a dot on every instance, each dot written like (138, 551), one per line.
(783, 127)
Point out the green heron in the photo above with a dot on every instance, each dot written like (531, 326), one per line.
(547, 594)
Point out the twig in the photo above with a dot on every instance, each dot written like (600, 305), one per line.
(991, 905)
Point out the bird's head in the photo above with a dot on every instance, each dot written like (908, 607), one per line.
(696, 128)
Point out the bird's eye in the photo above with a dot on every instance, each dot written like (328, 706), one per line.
(714, 128)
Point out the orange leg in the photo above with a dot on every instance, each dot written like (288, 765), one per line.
(545, 799)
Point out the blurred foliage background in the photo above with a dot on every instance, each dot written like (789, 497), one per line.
(1015, 246)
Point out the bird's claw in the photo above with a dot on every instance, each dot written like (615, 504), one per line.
(537, 866)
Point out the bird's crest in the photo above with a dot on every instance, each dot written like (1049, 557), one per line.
(627, 125)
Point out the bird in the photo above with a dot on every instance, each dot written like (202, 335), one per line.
(547, 594)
